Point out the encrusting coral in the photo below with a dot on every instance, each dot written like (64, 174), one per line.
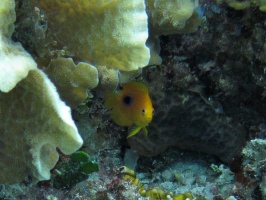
(254, 162)
(34, 121)
(72, 81)
(108, 33)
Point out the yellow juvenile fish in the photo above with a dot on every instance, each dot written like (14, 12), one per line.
(131, 106)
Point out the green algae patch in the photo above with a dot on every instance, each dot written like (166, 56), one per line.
(76, 170)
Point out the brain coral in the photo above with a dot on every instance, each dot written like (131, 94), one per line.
(185, 120)
(33, 119)
(72, 81)
(108, 33)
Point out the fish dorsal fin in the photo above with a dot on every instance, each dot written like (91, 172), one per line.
(135, 85)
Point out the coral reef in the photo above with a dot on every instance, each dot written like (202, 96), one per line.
(72, 81)
(170, 17)
(123, 37)
(105, 184)
(99, 32)
(8, 17)
(208, 95)
(34, 121)
(11, 53)
(179, 174)
(44, 24)
(217, 71)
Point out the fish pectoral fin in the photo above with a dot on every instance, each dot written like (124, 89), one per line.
(134, 131)
(145, 131)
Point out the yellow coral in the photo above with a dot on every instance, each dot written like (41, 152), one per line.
(170, 16)
(15, 64)
(33, 121)
(11, 53)
(7, 17)
(108, 33)
(72, 81)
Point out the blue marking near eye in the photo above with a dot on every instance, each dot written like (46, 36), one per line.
(127, 100)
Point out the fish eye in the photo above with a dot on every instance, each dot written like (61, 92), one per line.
(143, 111)
(127, 100)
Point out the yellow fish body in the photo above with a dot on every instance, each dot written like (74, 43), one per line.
(131, 106)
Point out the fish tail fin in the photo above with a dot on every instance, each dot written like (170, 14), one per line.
(109, 99)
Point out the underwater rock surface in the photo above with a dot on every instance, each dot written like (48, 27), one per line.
(186, 120)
